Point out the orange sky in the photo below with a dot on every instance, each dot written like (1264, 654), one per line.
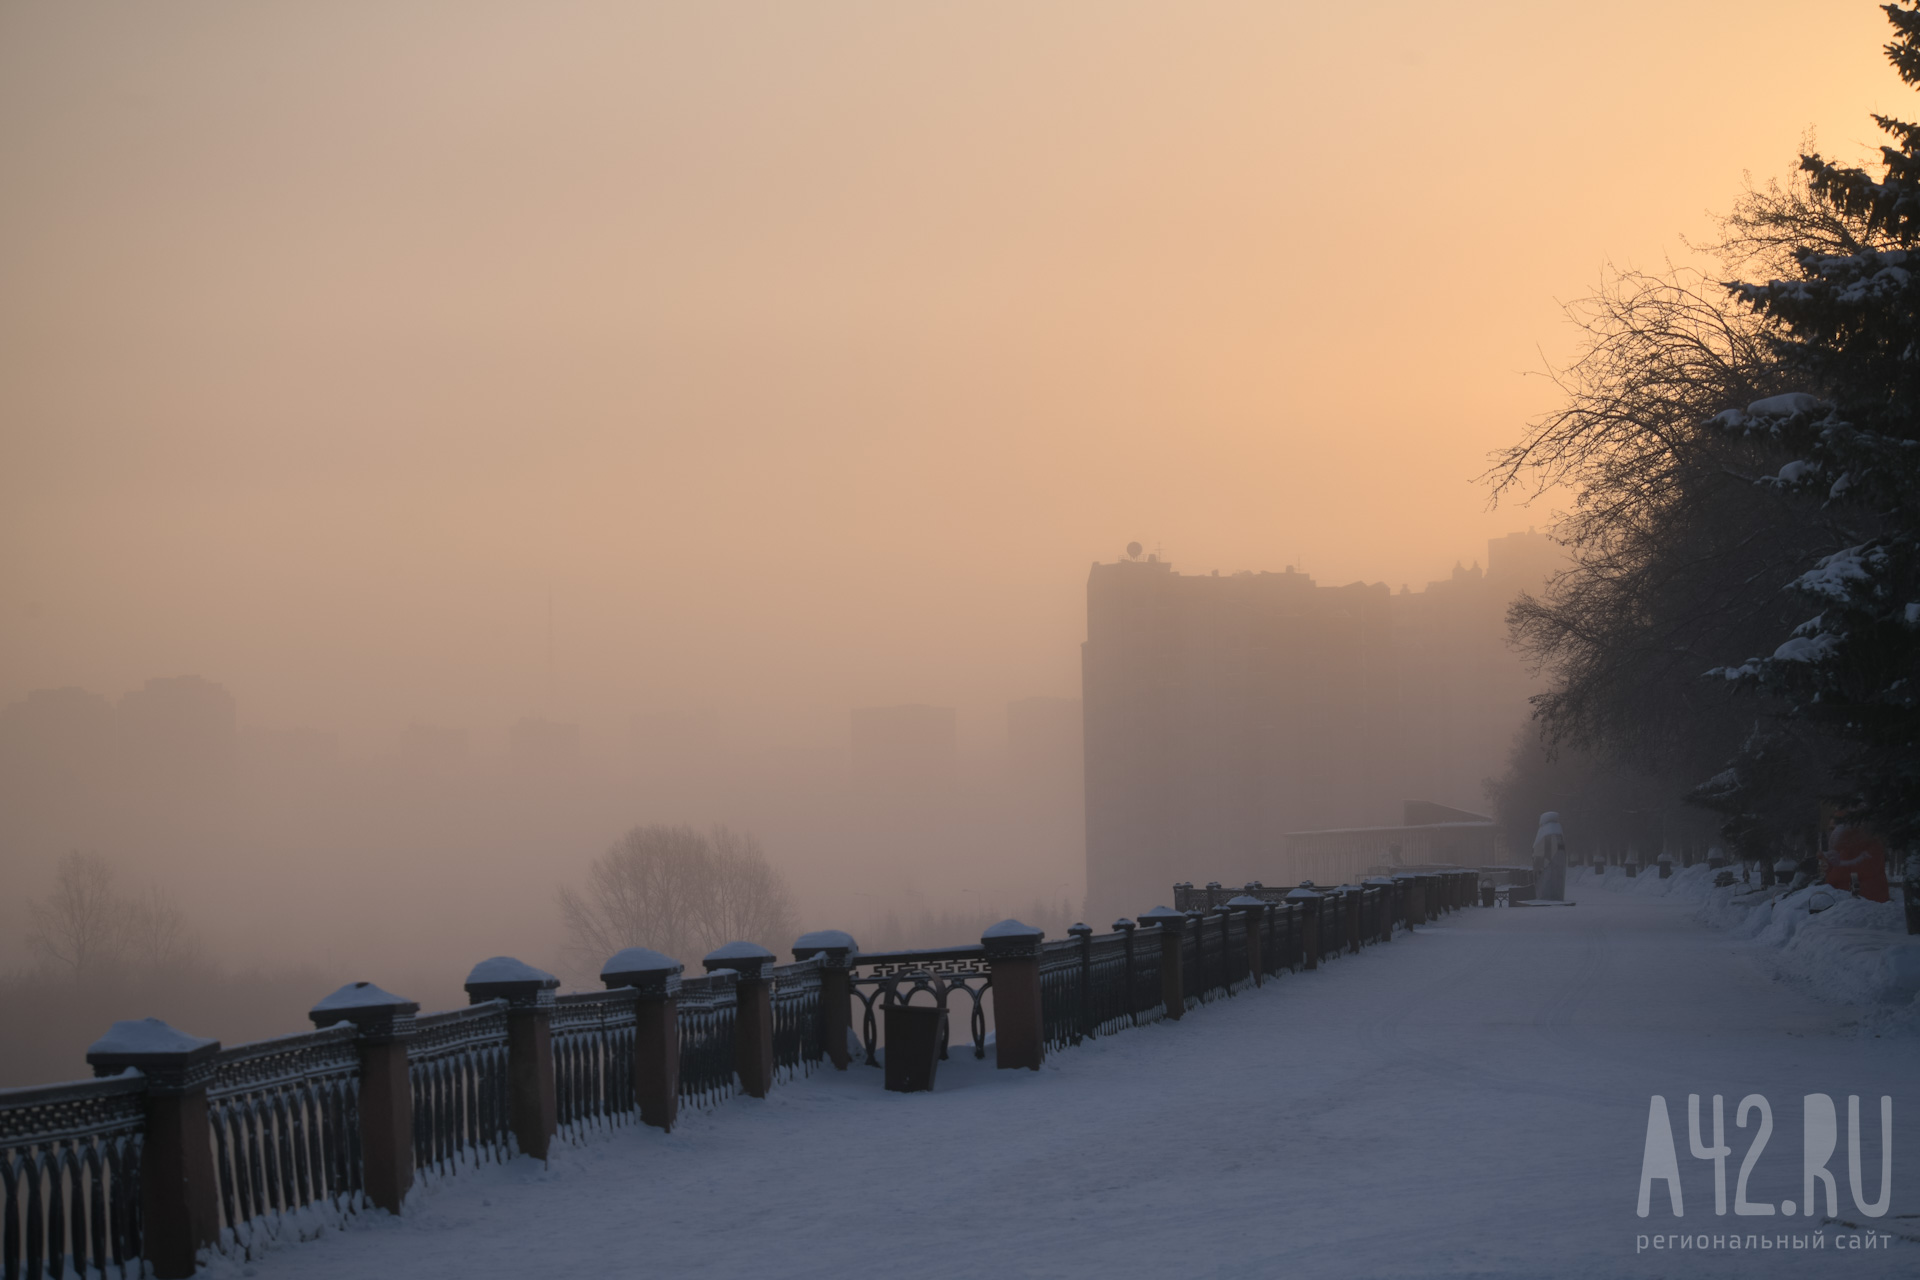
(807, 353)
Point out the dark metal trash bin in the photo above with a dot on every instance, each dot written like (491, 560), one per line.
(914, 1036)
(1486, 893)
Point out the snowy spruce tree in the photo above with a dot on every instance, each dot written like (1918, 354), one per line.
(1846, 325)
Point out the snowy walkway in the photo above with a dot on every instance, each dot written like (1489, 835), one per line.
(1470, 1101)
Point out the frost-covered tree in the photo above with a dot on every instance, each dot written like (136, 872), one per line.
(679, 891)
(1843, 320)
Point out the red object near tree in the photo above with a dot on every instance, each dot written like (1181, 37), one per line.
(1856, 851)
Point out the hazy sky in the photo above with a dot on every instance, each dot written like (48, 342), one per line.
(807, 353)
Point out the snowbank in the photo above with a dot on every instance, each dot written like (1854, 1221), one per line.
(1854, 952)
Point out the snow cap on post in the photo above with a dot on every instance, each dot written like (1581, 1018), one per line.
(649, 972)
(1166, 917)
(518, 983)
(833, 946)
(1246, 902)
(745, 958)
(1010, 938)
(172, 1060)
(1302, 894)
(379, 1016)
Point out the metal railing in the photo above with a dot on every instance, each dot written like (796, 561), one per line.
(70, 1178)
(796, 1018)
(882, 978)
(457, 1068)
(592, 1034)
(707, 1013)
(285, 1121)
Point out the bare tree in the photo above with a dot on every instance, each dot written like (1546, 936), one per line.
(82, 925)
(159, 939)
(750, 899)
(679, 891)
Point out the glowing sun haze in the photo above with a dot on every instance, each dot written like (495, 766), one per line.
(806, 353)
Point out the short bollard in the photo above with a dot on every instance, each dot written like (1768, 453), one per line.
(532, 1107)
(753, 1015)
(655, 979)
(179, 1212)
(835, 950)
(384, 1026)
(915, 1035)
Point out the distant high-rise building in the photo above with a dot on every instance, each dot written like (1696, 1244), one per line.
(179, 727)
(1224, 713)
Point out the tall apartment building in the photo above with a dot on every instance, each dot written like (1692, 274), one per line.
(1224, 713)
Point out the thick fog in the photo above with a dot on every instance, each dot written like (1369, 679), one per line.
(436, 439)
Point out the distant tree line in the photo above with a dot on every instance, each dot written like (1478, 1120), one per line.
(1739, 627)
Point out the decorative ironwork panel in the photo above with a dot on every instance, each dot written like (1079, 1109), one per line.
(457, 1066)
(592, 1033)
(285, 1121)
(796, 1018)
(889, 977)
(70, 1178)
(707, 1012)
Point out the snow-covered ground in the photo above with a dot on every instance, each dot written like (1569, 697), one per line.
(1850, 951)
(1469, 1101)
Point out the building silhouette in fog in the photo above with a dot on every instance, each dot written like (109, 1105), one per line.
(178, 727)
(1224, 714)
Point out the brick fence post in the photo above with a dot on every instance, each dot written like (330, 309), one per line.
(1173, 983)
(533, 1111)
(179, 1211)
(655, 980)
(1013, 964)
(836, 950)
(384, 1022)
(753, 1019)
(1309, 902)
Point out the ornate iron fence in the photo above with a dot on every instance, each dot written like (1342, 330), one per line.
(707, 1010)
(796, 1018)
(887, 977)
(1093, 985)
(1147, 1004)
(285, 1121)
(1062, 992)
(70, 1178)
(592, 1033)
(457, 1068)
